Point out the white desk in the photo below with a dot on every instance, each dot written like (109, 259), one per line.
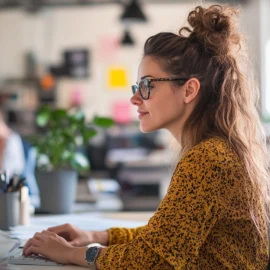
(90, 221)
(38, 267)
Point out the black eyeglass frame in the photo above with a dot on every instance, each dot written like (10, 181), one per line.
(147, 83)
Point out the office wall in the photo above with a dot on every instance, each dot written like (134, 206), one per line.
(265, 58)
(49, 32)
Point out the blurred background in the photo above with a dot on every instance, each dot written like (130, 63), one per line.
(85, 54)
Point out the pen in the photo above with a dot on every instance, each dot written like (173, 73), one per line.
(20, 184)
(3, 183)
(15, 181)
(10, 185)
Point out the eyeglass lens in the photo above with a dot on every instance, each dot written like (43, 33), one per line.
(144, 88)
(134, 89)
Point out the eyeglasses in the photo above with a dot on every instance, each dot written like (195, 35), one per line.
(144, 86)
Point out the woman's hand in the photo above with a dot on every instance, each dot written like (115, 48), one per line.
(79, 238)
(75, 236)
(49, 245)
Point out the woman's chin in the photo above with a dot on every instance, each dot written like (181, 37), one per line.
(147, 129)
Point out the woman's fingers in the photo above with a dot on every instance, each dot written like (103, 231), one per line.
(31, 250)
(38, 236)
(53, 236)
(32, 242)
(64, 231)
(49, 245)
(27, 245)
(49, 233)
(36, 240)
(37, 243)
(60, 228)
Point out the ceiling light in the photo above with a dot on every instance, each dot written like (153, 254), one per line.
(133, 12)
(127, 39)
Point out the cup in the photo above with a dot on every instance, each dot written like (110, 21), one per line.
(9, 210)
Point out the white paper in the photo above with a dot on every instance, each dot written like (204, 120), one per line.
(7, 245)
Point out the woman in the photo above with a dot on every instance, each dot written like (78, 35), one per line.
(215, 213)
(12, 159)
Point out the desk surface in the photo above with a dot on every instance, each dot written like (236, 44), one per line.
(38, 267)
(133, 218)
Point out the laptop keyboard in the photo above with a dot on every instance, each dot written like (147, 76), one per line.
(32, 260)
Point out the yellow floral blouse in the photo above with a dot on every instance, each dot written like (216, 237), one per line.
(203, 222)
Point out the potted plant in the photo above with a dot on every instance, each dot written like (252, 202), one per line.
(59, 159)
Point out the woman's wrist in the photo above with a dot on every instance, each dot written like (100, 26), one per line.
(101, 237)
(77, 256)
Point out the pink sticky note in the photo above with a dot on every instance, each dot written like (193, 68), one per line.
(122, 112)
(76, 97)
(108, 46)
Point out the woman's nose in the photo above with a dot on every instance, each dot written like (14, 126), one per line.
(136, 99)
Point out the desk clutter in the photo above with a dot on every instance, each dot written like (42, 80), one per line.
(14, 201)
(15, 183)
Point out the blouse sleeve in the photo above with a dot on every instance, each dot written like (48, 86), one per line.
(123, 235)
(181, 224)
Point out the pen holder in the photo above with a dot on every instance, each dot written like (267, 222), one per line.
(9, 210)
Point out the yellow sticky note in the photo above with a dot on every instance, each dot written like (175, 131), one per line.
(117, 78)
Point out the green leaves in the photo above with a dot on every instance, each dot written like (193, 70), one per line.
(63, 132)
(89, 133)
(43, 117)
(103, 122)
(77, 116)
(79, 162)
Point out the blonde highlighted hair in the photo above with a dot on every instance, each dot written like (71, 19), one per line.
(213, 50)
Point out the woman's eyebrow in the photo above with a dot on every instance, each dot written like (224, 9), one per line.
(143, 77)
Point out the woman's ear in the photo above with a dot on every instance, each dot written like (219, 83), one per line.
(192, 87)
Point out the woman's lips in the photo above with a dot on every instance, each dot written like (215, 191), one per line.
(142, 114)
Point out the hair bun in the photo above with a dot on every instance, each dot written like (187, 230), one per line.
(214, 28)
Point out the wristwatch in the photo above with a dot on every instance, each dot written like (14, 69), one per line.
(92, 254)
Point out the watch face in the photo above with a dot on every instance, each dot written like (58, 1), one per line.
(91, 254)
